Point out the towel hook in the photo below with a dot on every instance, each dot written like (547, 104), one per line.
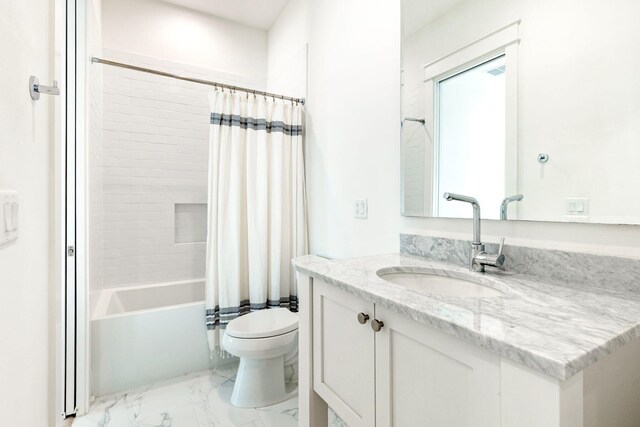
(543, 158)
(35, 88)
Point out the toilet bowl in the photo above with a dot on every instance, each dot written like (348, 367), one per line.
(266, 342)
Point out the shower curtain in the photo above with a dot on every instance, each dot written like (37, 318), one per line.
(256, 207)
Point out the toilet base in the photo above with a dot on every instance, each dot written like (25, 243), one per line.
(260, 382)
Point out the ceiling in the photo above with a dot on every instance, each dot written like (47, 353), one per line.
(254, 13)
(418, 13)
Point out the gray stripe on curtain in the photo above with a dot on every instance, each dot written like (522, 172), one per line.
(220, 317)
(255, 124)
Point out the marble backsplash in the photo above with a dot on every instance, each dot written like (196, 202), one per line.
(554, 265)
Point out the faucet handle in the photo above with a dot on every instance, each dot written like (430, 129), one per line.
(499, 257)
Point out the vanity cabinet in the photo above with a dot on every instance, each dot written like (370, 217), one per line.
(400, 373)
(343, 354)
(408, 374)
(423, 374)
(365, 351)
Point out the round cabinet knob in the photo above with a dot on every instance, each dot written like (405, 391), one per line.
(362, 318)
(376, 325)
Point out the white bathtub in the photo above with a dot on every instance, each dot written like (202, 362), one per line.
(142, 334)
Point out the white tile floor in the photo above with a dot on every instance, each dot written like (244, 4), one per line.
(194, 400)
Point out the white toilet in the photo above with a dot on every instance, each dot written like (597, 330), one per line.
(266, 342)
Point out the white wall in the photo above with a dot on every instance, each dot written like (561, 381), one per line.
(161, 30)
(287, 51)
(26, 146)
(353, 132)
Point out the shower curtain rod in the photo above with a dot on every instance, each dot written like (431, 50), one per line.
(96, 60)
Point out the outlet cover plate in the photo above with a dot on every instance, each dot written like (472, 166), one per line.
(8, 216)
(360, 208)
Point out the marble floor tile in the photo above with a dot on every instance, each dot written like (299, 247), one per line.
(213, 407)
(200, 399)
(283, 414)
(335, 420)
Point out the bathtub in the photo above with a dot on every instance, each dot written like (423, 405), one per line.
(142, 334)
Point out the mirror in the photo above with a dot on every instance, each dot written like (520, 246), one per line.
(531, 107)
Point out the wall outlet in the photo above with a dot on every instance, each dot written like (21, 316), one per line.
(578, 208)
(360, 208)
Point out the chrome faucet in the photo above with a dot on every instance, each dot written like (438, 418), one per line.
(478, 258)
(505, 204)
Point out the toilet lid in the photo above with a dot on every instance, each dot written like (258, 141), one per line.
(263, 324)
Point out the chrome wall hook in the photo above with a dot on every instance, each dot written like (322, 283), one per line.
(35, 88)
(543, 158)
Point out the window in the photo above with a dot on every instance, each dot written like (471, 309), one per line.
(470, 142)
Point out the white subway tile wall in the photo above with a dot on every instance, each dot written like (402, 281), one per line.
(191, 222)
(156, 137)
(414, 142)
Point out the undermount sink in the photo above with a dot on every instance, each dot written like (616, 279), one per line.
(440, 285)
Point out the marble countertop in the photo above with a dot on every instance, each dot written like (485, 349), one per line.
(555, 328)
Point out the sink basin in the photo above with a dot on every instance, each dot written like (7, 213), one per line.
(440, 285)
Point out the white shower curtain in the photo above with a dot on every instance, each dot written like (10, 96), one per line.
(256, 207)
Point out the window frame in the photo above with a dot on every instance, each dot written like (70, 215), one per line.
(502, 42)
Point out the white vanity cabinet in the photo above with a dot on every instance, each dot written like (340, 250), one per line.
(365, 352)
(402, 373)
(343, 354)
(409, 374)
(423, 374)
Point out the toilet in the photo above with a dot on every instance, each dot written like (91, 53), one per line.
(266, 342)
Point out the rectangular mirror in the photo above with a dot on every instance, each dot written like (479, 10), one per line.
(531, 107)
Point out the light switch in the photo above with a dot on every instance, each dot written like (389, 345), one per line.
(14, 216)
(578, 209)
(8, 226)
(9, 216)
(360, 208)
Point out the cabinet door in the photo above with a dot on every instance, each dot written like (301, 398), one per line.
(343, 354)
(427, 378)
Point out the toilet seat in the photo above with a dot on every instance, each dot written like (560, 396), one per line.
(259, 348)
(263, 324)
